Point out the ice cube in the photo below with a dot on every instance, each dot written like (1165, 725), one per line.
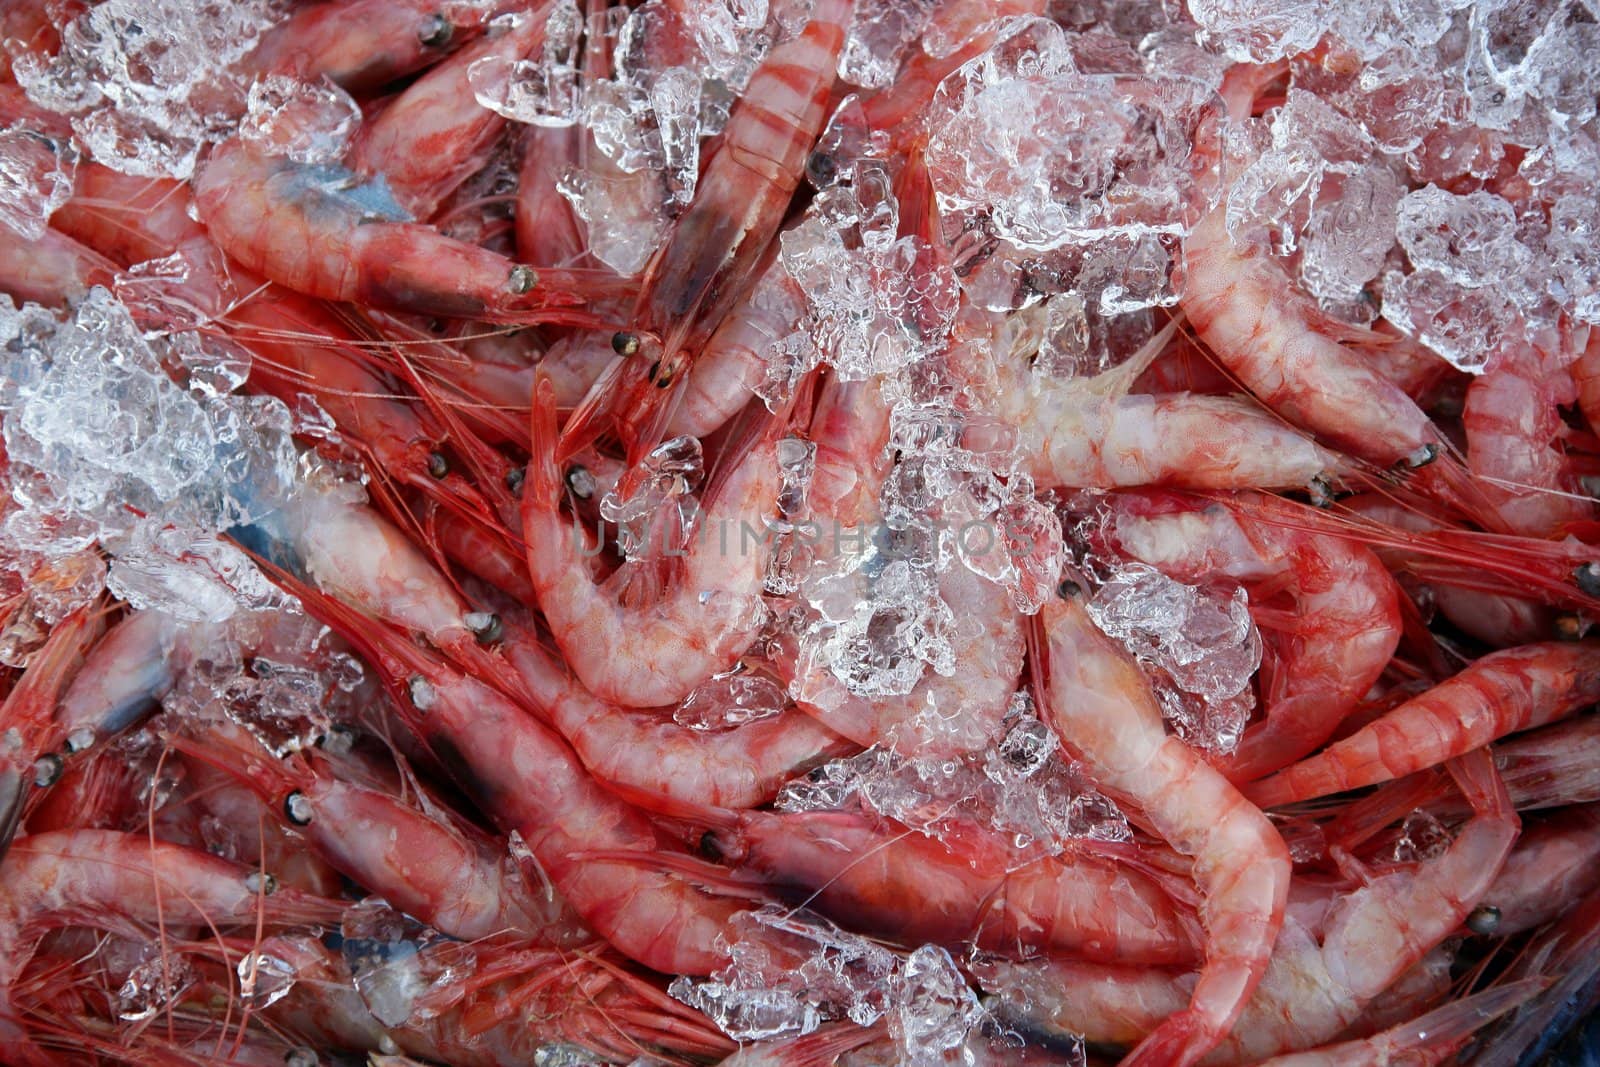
(36, 173)
(307, 123)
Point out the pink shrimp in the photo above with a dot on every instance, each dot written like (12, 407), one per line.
(740, 767)
(1586, 378)
(1100, 705)
(1272, 339)
(420, 862)
(1513, 423)
(1339, 637)
(54, 270)
(1556, 861)
(710, 260)
(433, 136)
(49, 879)
(872, 873)
(1092, 432)
(364, 44)
(1428, 1039)
(1500, 694)
(523, 775)
(318, 232)
(1337, 951)
(657, 652)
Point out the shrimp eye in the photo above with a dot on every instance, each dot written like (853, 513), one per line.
(1568, 627)
(301, 1057)
(1422, 456)
(421, 692)
(655, 368)
(1321, 492)
(514, 479)
(261, 882)
(485, 626)
(438, 466)
(624, 343)
(709, 848)
(1485, 919)
(436, 31)
(1588, 578)
(523, 279)
(297, 808)
(47, 770)
(1068, 589)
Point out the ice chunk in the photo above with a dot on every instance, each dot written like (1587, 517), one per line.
(264, 979)
(789, 973)
(189, 575)
(1470, 240)
(541, 91)
(624, 214)
(655, 519)
(402, 970)
(725, 701)
(1422, 837)
(148, 81)
(35, 178)
(1462, 325)
(1574, 244)
(1260, 31)
(934, 1008)
(1349, 234)
(880, 34)
(154, 985)
(307, 123)
(1204, 641)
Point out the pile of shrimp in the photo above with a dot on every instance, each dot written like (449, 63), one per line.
(797, 532)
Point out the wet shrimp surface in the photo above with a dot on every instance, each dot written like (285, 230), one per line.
(807, 532)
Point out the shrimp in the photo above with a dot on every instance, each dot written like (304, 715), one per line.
(527, 779)
(1101, 706)
(1270, 338)
(1338, 638)
(89, 875)
(1556, 861)
(549, 232)
(1092, 432)
(709, 261)
(735, 768)
(125, 676)
(1337, 952)
(1426, 1040)
(25, 717)
(364, 44)
(320, 232)
(1500, 694)
(415, 859)
(1513, 422)
(435, 135)
(54, 270)
(655, 653)
(870, 872)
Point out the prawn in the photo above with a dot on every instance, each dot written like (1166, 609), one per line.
(709, 261)
(1338, 638)
(1499, 694)
(79, 875)
(419, 862)
(435, 135)
(363, 45)
(1337, 952)
(54, 271)
(522, 774)
(1513, 421)
(873, 873)
(655, 653)
(1556, 861)
(1100, 705)
(319, 231)
(1093, 432)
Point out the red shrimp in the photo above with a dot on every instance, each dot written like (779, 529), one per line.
(1337, 953)
(1333, 644)
(1092, 432)
(422, 864)
(874, 874)
(740, 767)
(125, 676)
(364, 44)
(710, 260)
(654, 653)
(526, 778)
(25, 717)
(1500, 694)
(314, 230)
(549, 232)
(1101, 706)
(1586, 378)
(90, 875)
(1556, 861)
(435, 135)
(54, 270)
(1513, 423)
